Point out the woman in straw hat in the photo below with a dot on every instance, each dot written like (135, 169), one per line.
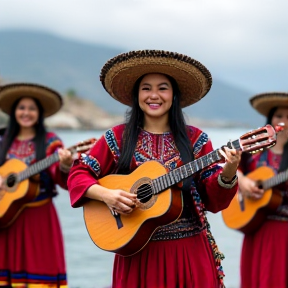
(264, 259)
(157, 84)
(32, 252)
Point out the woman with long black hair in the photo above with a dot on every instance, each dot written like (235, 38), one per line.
(264, 259)
(31, 242)
(157, 85)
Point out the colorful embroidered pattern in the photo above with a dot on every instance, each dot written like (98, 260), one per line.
(91, 162)
(112, 144)
(27, 280)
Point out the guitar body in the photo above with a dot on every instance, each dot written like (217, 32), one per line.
(15, 195)
(20, 190)
(128, 234)
(256, 210)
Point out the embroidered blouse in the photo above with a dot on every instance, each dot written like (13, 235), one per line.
(206, 192)
(25, 151)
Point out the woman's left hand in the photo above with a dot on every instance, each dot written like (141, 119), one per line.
(232, 160)
(65, 157)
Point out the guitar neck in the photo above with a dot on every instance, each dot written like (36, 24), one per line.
(177, 175)
(48, 161)
(275, 180)
(38, 167)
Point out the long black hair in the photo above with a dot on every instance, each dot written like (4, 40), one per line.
(284, 160)
(135, 121)
(13, 129)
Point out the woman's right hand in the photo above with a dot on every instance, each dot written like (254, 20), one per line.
(249, 188)
(120, 201)
(117, 200)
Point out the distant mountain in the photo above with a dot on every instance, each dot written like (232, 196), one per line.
(65, 65)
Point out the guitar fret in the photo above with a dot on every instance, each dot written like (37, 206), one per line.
(172, 180)
(161, 183)
(167, 180)
(37, 167)
(204, 161)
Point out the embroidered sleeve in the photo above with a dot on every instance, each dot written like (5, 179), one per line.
(215, 197)
(99, 162)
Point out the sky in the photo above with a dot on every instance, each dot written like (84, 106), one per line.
(242, 42)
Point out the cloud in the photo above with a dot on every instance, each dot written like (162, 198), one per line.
(240, 37)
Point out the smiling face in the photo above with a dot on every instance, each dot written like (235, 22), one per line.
(281, 116)
(26, 113)
(155, 96)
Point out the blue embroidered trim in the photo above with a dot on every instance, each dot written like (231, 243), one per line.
(202, 140)
(207, 173)
(112, 143)
(91, 162)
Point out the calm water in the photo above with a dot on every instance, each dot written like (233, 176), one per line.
(90, 267)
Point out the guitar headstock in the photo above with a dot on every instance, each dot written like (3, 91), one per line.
(258, 139)
(82, 146)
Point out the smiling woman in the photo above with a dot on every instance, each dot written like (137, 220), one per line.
(29, 255)
(157, 85)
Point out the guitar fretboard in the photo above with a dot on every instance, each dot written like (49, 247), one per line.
(175, 176)
(38, 167)
(275, 180)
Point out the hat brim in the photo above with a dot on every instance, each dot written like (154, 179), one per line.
(119, 74)
(264, 102)
(50, 100)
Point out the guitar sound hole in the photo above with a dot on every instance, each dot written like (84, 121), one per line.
(11, 180)
(144, 193)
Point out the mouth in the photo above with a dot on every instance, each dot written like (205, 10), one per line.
(154, 105)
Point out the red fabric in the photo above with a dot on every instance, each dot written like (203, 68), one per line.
(33, 243)
(264, 259)
(181, 263)
(32, 246)
(195, 252)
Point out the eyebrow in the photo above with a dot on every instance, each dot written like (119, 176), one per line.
(163, 83)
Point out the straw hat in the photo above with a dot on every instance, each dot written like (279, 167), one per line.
(49, 99)
(120, 73)
(264, 102)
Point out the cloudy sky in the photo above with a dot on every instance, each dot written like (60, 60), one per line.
(243, 42)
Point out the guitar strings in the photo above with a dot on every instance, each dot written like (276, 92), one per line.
(144, 191)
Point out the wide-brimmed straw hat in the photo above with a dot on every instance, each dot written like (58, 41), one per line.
(50, 100)
(264, 102)
(120, 73)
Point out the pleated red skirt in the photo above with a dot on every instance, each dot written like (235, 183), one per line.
(32, 250)
(180, 263)
(264, 259)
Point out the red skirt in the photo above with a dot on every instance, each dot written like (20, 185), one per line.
(32, 250)
(264, 259)
(180, 263)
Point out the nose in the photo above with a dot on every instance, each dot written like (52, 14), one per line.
(154, 94)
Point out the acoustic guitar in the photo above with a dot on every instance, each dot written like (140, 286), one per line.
(159, 199)
(247, 214)
(21, 183)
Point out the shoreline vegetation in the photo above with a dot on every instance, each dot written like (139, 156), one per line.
(78, 113)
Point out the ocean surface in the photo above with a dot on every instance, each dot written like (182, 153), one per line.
(90, 267)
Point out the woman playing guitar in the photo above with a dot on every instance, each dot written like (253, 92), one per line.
(157, 85)
(264, 258)
(32, 250)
